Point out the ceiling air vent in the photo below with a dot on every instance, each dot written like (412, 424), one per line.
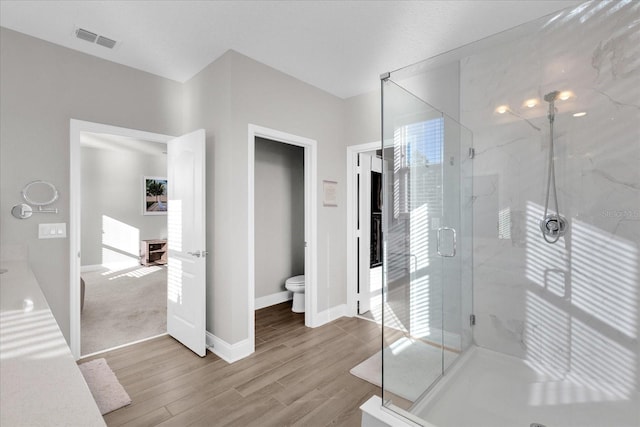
(83, 34)
(86, 35)
(106, 42)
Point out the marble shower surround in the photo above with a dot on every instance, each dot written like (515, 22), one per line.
(572, 309)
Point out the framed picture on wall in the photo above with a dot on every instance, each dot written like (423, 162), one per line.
(329, 193)
(155, 195)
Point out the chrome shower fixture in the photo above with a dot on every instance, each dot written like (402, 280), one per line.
(551, 99)
(552, 96)
(553, 226)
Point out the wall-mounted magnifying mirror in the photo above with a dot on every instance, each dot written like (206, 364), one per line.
(36, 193)
(40, 193)
(22, 211)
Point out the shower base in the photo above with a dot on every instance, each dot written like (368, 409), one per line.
(495, 390)
(489, 389)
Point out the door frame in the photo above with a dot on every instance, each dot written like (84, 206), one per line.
(76, 127)
(310, 220)
(352, 222)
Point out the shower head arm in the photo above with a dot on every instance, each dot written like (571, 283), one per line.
(552, 112)
(551, 99)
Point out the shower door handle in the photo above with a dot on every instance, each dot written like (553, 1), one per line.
(453, 249)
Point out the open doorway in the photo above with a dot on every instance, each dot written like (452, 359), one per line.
(279, 234)
(279, 222)
(123, 234)
(186, 240)
(299, 149)
(121, 246)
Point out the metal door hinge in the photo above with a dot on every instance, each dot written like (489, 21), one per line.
(198, 254)
(472, 320)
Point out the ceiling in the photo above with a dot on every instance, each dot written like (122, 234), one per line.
(339, 46)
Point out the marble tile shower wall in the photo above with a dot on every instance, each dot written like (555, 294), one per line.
(572, 308)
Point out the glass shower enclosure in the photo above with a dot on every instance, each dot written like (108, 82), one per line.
(551, 108)
(427, 229)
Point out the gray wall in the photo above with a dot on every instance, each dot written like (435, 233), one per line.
(224, 98)
(207, 106)
(438, 86)
(43, 86)
(362, 118)
(279, 215)
(112, 186)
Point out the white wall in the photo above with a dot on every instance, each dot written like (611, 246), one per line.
(112, 187)
(43, 86)
(279, 215)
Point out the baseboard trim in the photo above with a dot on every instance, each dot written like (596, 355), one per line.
(331, 314)
(93, 267)
(229, 352)
(273, 299)
(110, 266)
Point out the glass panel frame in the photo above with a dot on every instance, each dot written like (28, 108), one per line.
(422, 278)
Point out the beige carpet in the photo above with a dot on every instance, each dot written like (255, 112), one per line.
(104, 385)
(123, 306)
(410, 366)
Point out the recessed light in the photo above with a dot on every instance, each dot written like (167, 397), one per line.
(565, 95)
(502, 109)
(580, 114)
(531, 102)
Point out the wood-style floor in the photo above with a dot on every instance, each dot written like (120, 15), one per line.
(297, 376)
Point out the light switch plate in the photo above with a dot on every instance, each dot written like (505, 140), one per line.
(52, 231)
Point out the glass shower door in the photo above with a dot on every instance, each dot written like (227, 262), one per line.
(423, 298)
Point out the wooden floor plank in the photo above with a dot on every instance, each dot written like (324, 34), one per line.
(297, 376)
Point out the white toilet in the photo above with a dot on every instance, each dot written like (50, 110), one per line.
(295, 284)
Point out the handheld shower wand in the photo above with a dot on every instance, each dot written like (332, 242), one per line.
(553, 226)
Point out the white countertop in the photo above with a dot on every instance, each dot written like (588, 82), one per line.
(40, 383)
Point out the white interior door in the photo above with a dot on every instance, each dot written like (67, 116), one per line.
(366, 288)
(364, 232)
(186, 284)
